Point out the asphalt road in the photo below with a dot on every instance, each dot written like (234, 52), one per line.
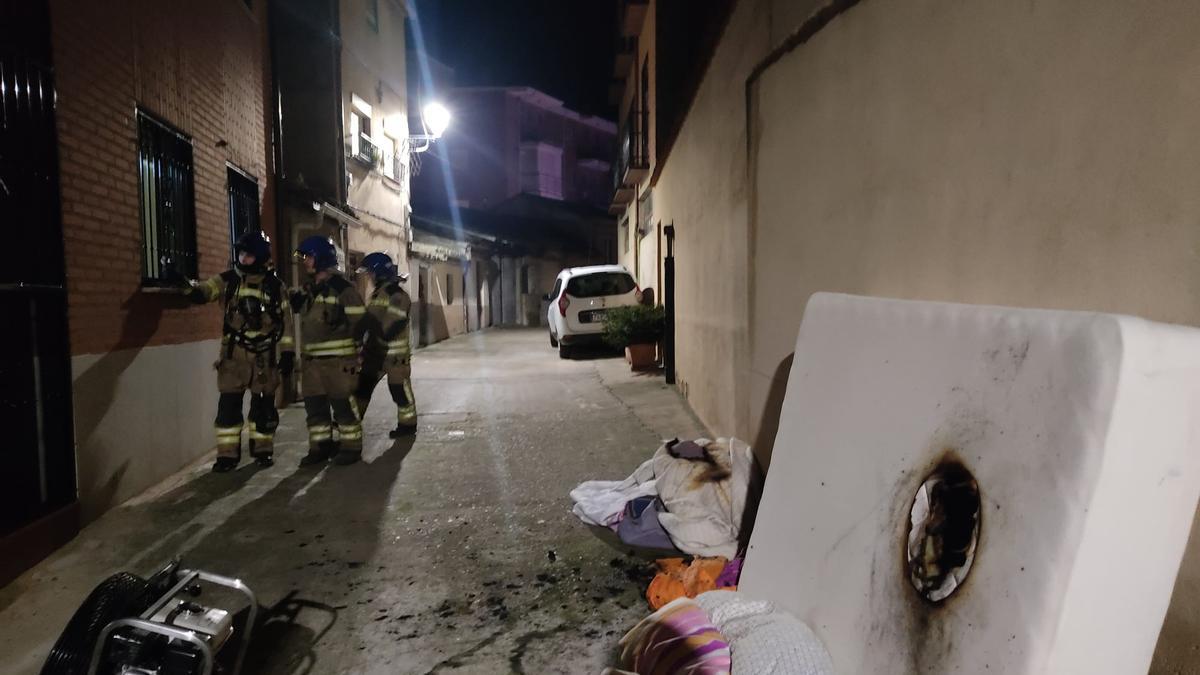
(453, 551)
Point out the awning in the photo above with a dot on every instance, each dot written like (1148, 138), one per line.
(435, 248)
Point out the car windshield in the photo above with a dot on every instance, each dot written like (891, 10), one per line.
(600, 283)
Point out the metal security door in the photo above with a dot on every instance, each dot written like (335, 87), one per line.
(37, 453)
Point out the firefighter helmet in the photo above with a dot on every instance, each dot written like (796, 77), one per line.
(322, 250)
(381, 267)
(257, 244)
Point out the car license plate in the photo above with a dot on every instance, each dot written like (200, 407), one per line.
(594, 316)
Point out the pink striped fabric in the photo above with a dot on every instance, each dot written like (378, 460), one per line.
(679, 638)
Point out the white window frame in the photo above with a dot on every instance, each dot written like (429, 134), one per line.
(391, 159)
(359, 110)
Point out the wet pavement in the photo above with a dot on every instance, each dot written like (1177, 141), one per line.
(453, 551)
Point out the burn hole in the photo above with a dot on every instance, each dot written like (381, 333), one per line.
(943, 531)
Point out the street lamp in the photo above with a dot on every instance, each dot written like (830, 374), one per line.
(435, 118)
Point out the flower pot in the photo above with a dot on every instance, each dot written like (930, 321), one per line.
(641, 356)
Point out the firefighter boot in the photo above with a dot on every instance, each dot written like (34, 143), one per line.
(349, 423)
(320, 455)
(225, 464)
(402, 430)
(263, 458)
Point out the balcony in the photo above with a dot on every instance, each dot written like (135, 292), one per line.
(365, 150)
(632, 163)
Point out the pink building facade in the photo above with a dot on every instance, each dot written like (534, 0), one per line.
(506, 141)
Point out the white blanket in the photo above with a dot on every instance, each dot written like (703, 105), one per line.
(704, 500)
(601, 502)
(704, 515)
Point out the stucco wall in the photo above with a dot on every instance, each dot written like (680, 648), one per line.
(446, 315)
(708, 208)
(374, 69)
(140, 415)
(1030, 154)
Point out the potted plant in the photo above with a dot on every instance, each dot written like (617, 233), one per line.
(637, 329)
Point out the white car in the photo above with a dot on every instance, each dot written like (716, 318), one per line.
(580, 299)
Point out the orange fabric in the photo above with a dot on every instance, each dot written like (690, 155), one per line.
(677, 579)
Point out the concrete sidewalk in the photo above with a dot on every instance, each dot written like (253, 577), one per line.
(454, 551)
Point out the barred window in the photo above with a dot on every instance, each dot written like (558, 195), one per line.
(167, 200)
(243, 207)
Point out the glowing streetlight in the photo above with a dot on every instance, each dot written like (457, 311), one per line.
(436, 118)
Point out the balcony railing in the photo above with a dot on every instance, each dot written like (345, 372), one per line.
(632, 161)
(367, 151)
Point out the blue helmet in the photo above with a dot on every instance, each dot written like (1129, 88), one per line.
(322, 250)
(381, 267)
(257, 244)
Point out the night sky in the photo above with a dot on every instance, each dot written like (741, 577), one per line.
(562, 47)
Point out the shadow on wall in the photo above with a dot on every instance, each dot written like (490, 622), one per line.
(95, 392)
(764, 446)
(768, 426)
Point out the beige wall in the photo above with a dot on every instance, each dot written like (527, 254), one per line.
(1023, 154)
(950, 160)
(1034, 155)
(373, 68)
(446, 308)
(709, 208)
(643, 253)
(703, 192)
(140, 416)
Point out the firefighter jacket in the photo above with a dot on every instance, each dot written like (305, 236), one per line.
(388, 310)
(332, 318)
(257, 317)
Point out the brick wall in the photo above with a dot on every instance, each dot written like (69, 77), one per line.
(199, 66)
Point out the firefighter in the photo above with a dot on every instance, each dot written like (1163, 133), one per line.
(332, 326)
(387, 351)
(256, 349)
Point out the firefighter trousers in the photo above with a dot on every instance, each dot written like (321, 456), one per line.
(238, 371)
(398, 368)
(328, 385)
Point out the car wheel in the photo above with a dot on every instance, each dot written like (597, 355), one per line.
(564, 352)
(553, 340)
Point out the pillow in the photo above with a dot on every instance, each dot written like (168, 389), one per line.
(678, 638)
(763, 640)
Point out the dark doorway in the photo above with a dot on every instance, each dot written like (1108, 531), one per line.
(423, 305)
(669, 305)
(480, 294)
(38, 510)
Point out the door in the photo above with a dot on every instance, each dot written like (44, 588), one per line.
(37, 483)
